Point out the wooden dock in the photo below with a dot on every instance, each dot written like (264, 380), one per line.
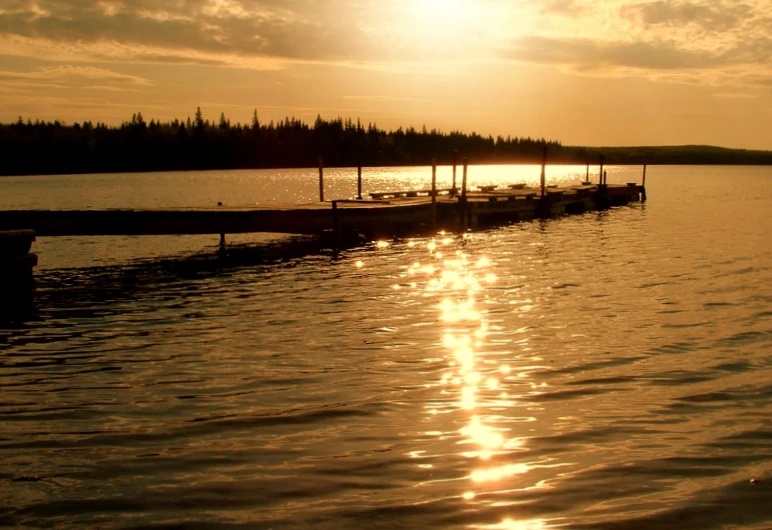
(383, 214)
(16, 261)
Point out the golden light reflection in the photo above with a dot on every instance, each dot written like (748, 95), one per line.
(498, 473)
(359, 264)
(512, 524)
(477, 382)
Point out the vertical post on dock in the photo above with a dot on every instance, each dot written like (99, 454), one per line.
(463, 196)
(359, 177)
(455, 159)
(600, 177)
(434, 194)
(643, 183)
(222, 235)
(463, 180)
(335, 222)
(587, 177)
(543, 170)
(321, 179)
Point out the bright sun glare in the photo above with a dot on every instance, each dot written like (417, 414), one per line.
(448, 26)
(442, 11)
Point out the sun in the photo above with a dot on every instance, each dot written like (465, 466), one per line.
(442, 30)
(442, 11)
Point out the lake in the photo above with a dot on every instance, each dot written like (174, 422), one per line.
(611, 370)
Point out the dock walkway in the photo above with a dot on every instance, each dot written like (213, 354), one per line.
(384, 214)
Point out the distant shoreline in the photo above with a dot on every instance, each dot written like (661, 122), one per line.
(43, 148)
(488, 163)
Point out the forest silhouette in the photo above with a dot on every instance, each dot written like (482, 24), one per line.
(35, 148)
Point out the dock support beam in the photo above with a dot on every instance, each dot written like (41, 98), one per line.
(643, 182)
(359, 177)
(321, 179)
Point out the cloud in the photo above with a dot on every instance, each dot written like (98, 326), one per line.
(248, 33)
(699, 41)
(614, 37)
(67, 78)
(73, 73)
(562, 7)
(735, 95)
(383, 98)
(710, 16)
(586, 54)
(254, 28)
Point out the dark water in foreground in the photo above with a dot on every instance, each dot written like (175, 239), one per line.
(609, 370)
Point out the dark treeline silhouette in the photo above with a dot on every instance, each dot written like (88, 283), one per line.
(28, 148)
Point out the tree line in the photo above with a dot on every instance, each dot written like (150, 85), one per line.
(40, 147)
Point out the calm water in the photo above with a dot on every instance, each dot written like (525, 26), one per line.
(609, 370)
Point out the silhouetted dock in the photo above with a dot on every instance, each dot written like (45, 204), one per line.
(383, 214)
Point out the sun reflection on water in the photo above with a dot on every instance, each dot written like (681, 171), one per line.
(477, 380)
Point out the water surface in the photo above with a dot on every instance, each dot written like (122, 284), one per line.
(607, 370)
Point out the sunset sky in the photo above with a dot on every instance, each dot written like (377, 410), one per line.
(584, 72)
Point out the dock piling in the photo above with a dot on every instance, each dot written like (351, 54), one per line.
(463, 196)
(321, 179)
(455, 159)
(600, 177)
(434, 194)
(359, 177)
(335, 222)
(222, 234)
(543, 170)
(643, 182)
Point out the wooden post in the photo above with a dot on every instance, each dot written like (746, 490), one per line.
(463, 196)
(222, 235)
(643, 183)
(600, 177)
(359, 177)
(463, 180)
(321, 179)
(434, 194)
(587, 178)
(605, 177)
(543, 170)
(455, 159)
(335, 222)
